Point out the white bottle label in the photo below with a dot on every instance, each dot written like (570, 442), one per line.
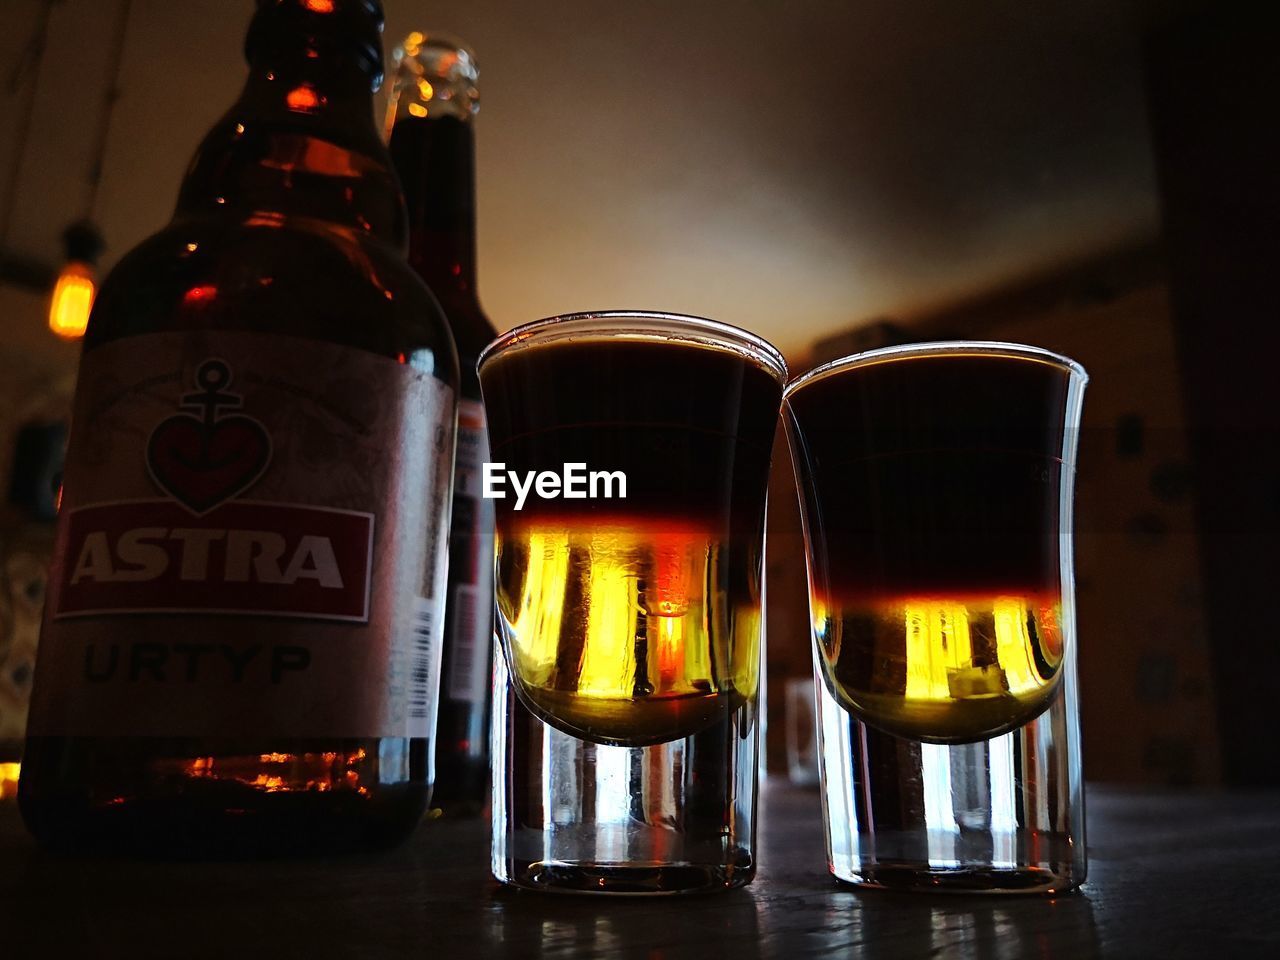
(250, 543)
(470, 613)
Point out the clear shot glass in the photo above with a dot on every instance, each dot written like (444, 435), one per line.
(628, 596)
(936, 495)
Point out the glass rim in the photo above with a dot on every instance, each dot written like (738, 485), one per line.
(955, 348)
(654, 325)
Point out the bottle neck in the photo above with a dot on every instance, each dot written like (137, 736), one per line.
(435, 158)
(300, 142)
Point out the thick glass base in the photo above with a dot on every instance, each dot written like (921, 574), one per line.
(889, 876)
(1004, 815)
(629, 878)
(573, 816)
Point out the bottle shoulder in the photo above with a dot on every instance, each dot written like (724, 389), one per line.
(472, 329)
(271, 275)
(472, 332)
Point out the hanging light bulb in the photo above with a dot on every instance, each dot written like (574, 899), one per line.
(76, 285)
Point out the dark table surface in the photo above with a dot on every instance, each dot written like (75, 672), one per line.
(1170, 875)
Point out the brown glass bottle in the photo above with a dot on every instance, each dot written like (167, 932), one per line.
(205, 689)
(433, 101)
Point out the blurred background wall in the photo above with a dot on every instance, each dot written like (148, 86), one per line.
(1098, 177)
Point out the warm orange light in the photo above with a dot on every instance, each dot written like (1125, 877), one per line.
(200, 294)
(71, 301)
(285, 772)
(299, 154)
(319, 6)
(9, 780)
(265, 218)
(303, 98)
(417, 109)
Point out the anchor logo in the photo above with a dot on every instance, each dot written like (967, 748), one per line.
(206, 458)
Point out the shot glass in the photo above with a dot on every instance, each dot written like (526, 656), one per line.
(628, 599)
(936, 496)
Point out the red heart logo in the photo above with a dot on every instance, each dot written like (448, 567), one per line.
(203, 465)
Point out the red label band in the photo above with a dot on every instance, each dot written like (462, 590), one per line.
(273, 559)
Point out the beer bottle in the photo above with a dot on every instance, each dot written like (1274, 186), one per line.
(433, 101)
(240, 651)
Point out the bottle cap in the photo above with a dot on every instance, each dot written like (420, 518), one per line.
(433, 75)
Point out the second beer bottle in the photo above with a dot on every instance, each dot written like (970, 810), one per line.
(241, 643)
(433, 102)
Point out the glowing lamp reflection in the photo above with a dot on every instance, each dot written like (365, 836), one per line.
(200, 295)
(9, 779)
(71, 301)
(303, 98)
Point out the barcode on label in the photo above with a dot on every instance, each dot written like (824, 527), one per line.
(469, 665)
(424, 686)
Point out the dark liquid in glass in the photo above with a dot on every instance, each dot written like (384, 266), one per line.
(929, 488)
(632, 620)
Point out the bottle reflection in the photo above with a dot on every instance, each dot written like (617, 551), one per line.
(875, 924)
